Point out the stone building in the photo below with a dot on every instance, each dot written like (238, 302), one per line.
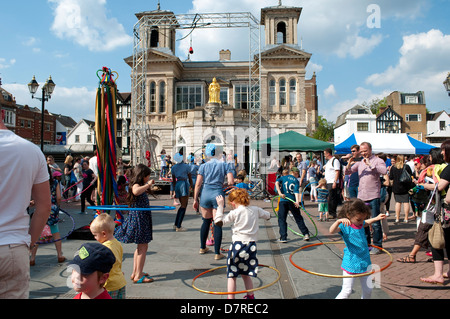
(177, 91)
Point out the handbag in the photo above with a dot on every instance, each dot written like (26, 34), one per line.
(429, 212)
(436, 236)
(405, 177)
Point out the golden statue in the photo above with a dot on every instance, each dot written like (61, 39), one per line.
(214, 92)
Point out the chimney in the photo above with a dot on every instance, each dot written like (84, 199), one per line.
(225, 55)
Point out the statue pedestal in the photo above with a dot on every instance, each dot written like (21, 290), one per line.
(214, 109)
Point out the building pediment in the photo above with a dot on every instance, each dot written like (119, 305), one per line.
(285, 52)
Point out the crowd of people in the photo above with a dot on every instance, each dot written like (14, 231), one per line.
(353, 191)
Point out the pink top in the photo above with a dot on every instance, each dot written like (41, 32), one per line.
(369, 177)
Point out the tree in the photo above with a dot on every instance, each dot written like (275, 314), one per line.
(324, 131)
(375, 105)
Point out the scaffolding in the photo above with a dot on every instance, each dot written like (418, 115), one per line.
(168, 21)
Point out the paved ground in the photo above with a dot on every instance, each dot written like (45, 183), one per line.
(174, 262)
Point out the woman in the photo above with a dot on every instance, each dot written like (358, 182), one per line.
(212, 176)
(312, 178)
(182, 181)
(68, 169)
(400, 190)
(438, 254)
(89, 180)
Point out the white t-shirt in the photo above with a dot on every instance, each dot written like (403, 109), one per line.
(22, 165)
(330, 168)
(93, 165)
(245, 222)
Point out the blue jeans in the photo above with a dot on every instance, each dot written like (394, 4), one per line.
(284, 208)
(377, 230)
(353, 191)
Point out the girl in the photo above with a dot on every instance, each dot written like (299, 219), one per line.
(351, 223)
(242, 258)
(138, 228)
(322, 199)
(182, 182)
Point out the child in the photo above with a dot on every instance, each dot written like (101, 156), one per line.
(138, 227)
(351, 223)
(322, 199)
(122, 187)
(242, 258)
(239, 180)
(90, 270)
(102, 227)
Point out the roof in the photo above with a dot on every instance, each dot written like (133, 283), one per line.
(341, 120)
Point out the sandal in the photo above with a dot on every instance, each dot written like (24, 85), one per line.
(408, 259)
(144, 280)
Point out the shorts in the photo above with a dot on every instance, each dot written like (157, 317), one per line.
(14, 271)
(242, 259)
(118, 294)
(182, 189)
(208, 197)
(54, 229)
(323, 207)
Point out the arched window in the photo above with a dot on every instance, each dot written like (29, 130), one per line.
(292, 92)
(272, 92)
(282, 92)
(154, 37)
(162, 97)
(152, 97)
(281, 33)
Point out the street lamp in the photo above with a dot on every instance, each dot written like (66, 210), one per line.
(47, 91)
(447, 83)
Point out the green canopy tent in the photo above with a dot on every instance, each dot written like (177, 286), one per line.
(291, 141)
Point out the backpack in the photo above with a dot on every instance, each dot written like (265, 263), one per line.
(340, 185)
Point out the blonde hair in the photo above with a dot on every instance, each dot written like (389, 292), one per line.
(103, 222)
(239, 196)
(323, 181)
(400, 161)
(68, 160)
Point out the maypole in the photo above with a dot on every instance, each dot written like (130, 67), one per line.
(105, 130)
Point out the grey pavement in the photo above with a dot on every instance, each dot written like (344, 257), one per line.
(173, 261)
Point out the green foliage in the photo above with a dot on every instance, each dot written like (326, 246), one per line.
(324, 130)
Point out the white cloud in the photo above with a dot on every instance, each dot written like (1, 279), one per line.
(86, 23)
(4, 64)
(422, 66)
(357, 46)
(330, 91)
(76, 102)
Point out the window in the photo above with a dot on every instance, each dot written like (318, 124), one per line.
(224, 95)
(162, 97)
(152, 97)
(411, 99)
(89, 139)
(9, 117)
(189, 97)
(442, 125)
(22, 123)
(281, 33)
(413, 117)
(292, 92)
(362, 127)
(241, 96)
(29, 124)
(282, 92)
(77, 138)
(272, 92)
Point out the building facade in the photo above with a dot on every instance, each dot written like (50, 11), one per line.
(176, 91)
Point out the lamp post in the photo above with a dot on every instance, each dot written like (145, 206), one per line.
(47, 91)
(447, 83)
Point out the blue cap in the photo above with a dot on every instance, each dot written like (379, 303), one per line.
(94, 257)
(210, 150)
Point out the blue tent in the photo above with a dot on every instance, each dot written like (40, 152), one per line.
(389, 143)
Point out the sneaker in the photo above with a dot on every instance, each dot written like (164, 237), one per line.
(219, 256)
(249, 297)
(203, 250)
(306, 237)
(375, 251)
(282, 241)
(181, 229)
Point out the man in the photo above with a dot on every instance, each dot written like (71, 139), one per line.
(332, 175)
(288, 188)
(24, 175)
(353, 182)
(369, 170)
(303, 168)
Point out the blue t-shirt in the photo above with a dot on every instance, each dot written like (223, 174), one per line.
(242, 185)
(322, 195)
(194, 170)
(181, 171)
(356, 252)
(214, 173)
(289, 186)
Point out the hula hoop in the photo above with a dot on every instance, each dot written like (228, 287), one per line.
(126, 208)
(293, 231)
(338, 276)
(302, 204)
(234, 292)
(62, 238)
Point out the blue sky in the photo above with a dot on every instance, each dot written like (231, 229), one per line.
(354, 61)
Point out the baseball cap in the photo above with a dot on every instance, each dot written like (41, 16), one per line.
(295, 169)
(94, 257)
(56, 174)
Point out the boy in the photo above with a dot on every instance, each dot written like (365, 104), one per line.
(322, 199)
(90, 270)
(102, 227)
(239, 180)
(288, 187)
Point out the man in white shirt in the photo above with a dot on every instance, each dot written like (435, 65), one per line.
(332, 172)
(24, 175)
